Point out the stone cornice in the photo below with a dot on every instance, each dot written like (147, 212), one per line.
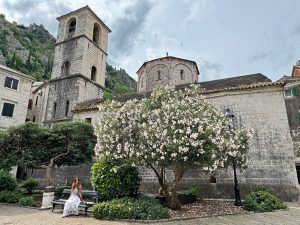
(77, 75)
(80, 36)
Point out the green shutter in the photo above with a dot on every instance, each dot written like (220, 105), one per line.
(8, 109)
(298, 117)
(7, 82)
(294, 91)
(11, 83)
(15, 84)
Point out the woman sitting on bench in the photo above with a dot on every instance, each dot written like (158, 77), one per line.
(71, 205)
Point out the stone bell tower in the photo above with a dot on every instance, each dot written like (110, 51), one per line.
(79, 65)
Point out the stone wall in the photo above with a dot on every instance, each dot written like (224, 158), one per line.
(93, 115)
(17, 97)
(74, 89)
(271, 160)
(39, 97)
(169, 69)
(64, 175)
(78, 47)
(292, 103)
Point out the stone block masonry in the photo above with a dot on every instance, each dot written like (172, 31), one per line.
(271, 160)
(18, 97)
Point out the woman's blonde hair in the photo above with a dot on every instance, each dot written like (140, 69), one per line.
(78, 186)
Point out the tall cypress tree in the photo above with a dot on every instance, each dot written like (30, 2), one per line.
(28, 62)
(34, 65)
(13, 61)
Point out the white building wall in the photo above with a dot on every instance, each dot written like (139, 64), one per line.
(17, 97)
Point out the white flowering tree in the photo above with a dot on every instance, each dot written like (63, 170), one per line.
(175, 129)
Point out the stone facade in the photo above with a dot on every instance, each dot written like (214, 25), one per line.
(271, 161)
(78, 73)
(79, 46)
(296, 70)
(64, 94)
(292, 100)
(167, 70)
(37, 102)
(17, 96)
(90, 116)
(271, 157)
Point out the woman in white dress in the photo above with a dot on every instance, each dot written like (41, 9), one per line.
(71, 205)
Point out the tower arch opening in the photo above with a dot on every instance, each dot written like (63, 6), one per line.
(65, 68)
(96, 34)
(72, 26)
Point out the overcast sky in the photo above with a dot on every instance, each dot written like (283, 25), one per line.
(225, 37)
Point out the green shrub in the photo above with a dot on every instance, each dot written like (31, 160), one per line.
(196, 191)
(263, 201)
(29, 185)
(7, 182)
(27, 201)
(144, 208)
(114, 178)
(58, 191)
(10, 196)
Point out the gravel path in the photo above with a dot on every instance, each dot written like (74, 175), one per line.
(11, 215)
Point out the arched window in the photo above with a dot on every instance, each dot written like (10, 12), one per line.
(142, 81)
(72, 26)
(65, 69)
(96, 34)
(158, 75)
(93, 73)
(36, 100)
(54, 109)
(67, 108)
(33, 119)
(182, 74)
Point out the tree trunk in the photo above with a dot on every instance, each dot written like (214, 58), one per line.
(50, 166)
(49, 175)
(172, 201)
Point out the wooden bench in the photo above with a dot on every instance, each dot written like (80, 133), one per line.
(85, 204)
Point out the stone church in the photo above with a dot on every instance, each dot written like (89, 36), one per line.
(76, 90)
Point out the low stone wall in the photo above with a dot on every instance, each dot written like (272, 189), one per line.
(223, 188)
(64, 175)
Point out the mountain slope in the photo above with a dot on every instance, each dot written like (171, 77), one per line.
(30, 50)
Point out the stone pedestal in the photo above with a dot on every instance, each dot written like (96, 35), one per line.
(48, 197)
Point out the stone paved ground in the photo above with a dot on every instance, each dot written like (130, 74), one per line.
(10, 215)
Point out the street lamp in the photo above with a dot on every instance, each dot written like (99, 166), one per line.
(238, 201)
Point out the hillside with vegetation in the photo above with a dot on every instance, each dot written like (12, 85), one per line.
(30, 49)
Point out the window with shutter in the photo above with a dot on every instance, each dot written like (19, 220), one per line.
(8, 109)
(294, 91)
(11, 83)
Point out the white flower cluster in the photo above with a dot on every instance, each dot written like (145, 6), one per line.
(171, 128)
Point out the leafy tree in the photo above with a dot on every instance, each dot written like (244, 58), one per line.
(170, 129)
(34, 146)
